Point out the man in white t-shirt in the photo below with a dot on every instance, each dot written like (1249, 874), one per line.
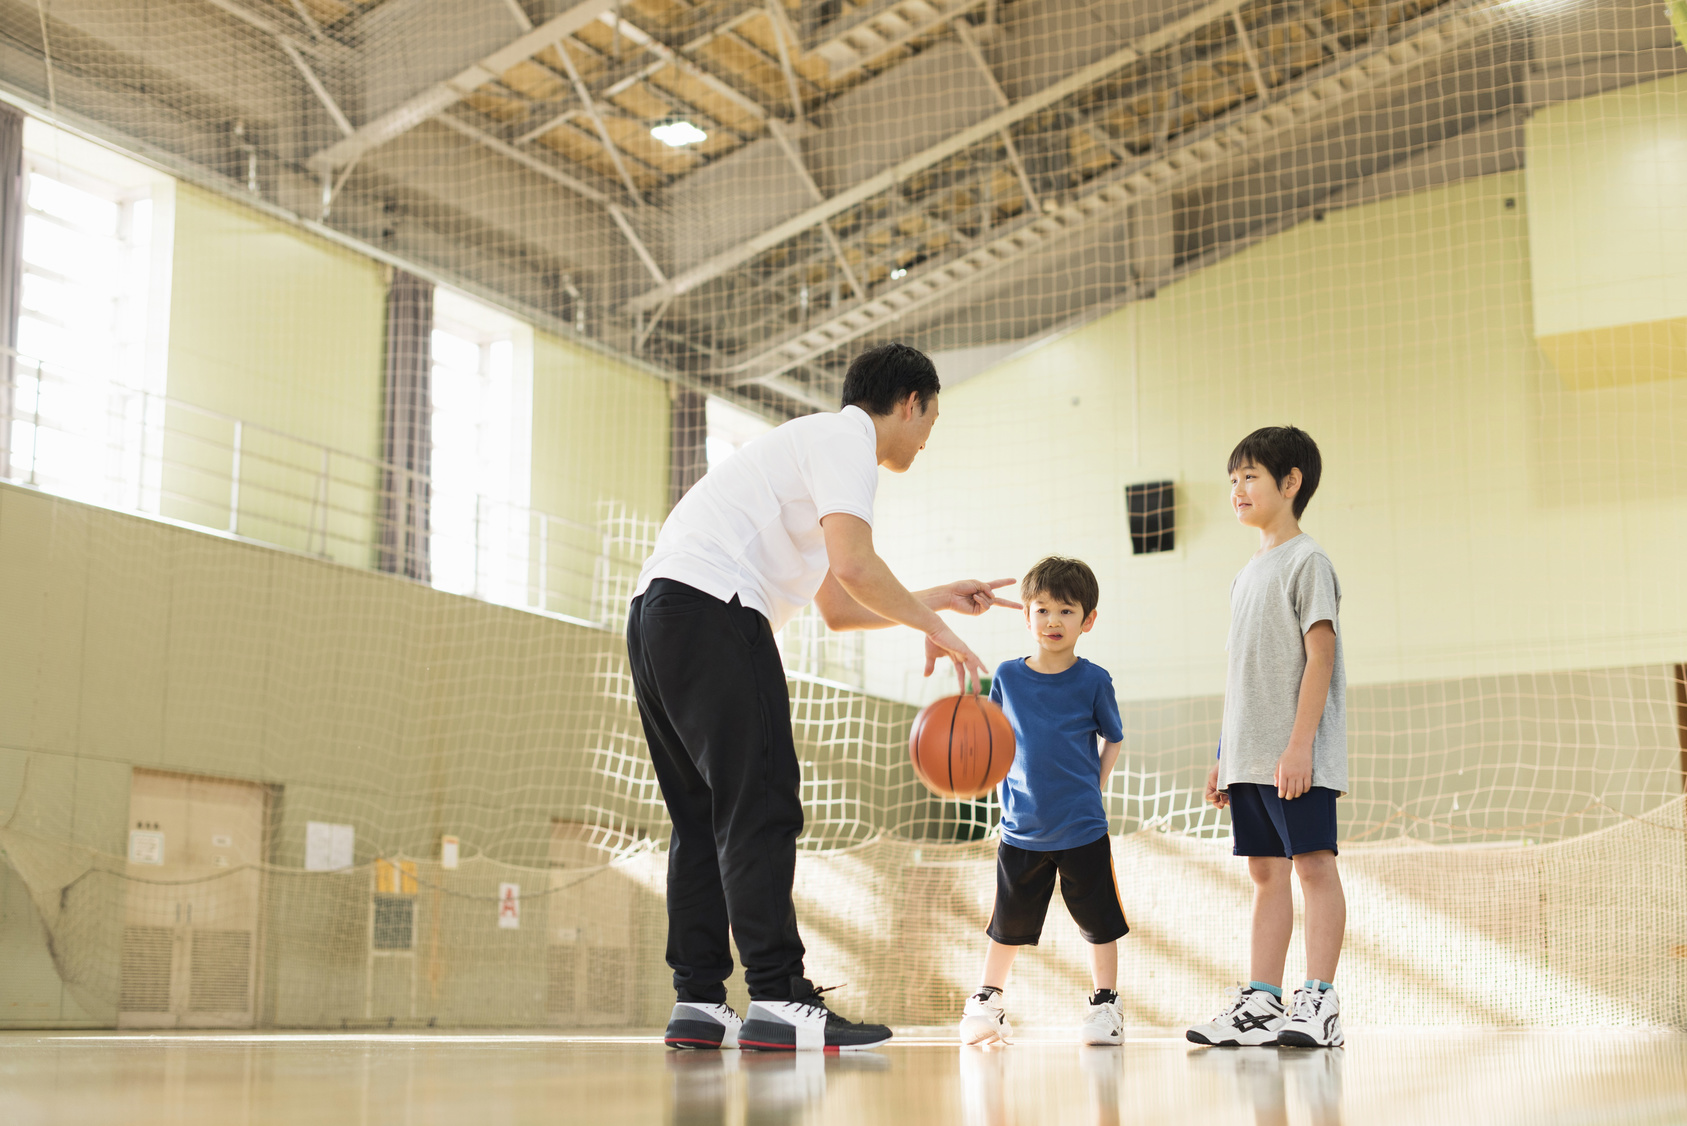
(786, 521)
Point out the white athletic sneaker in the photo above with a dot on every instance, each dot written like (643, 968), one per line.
(805, 1024)
(695, 1025)
(1253, 1019)
(985, 1020)
(1104, 1024)
(1314, 1021)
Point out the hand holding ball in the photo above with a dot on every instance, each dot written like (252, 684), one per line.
(962, 746)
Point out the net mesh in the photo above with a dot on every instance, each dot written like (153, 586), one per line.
(1445, 237)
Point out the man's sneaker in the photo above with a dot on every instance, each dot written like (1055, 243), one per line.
(1105, 1022)
(805, 1024)
(1314, 1021)
(1253, 1018)
(696, 1025)
(985, 1019)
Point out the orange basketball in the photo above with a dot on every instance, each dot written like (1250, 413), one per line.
(962, 746)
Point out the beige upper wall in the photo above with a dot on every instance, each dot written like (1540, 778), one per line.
(600, 445)
(276, 327)
(1607, 182)
(1482, 518)
(282, 331)
(1607, 179)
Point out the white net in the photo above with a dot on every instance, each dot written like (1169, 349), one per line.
(1447, 239)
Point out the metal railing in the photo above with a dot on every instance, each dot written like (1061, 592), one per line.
(103, 442)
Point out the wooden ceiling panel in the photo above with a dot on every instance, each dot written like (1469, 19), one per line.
(585, 149)
(693, 91)
(498, 106)
(590, 66)
(537, 82)
(728, 56)
(633, 138)
(641, 101)
(758, 31)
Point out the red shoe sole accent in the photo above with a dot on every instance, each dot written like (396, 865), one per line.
(758, 1045)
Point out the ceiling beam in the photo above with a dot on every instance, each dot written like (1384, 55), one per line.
(411, 113)
(1363, 70)
(887, 28)
(970, 42)
(526, 159)
(609, 145)
(676, 59)
(957, 142)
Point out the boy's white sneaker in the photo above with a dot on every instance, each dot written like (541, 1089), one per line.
(1314, 1021)
(1105, 1022)
(985, 1019)
(1253, 1019)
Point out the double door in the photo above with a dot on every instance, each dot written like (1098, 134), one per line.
(194, 901)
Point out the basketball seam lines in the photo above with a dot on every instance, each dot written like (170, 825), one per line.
(950, 757)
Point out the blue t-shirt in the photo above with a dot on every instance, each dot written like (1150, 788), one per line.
(1051, 797)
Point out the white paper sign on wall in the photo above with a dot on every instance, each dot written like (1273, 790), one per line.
(146, 846)
(509, 906)
(328, 847)
(448, 852)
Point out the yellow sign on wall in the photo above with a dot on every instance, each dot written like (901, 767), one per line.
(395, 877)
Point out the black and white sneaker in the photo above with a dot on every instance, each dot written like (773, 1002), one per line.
(805, 1024)
(1253, 1019)
(696, 1025)
(1314, 1021)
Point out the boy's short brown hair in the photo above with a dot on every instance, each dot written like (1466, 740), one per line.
(1069, 580)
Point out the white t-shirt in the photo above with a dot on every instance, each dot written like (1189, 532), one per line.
(751, 526)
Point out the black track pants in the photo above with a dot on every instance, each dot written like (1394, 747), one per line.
(711, 692)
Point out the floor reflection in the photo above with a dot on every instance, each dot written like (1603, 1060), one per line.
(1382, 1078)
(1272, 1082)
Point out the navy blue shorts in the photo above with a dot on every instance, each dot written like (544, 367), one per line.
(1263, 824)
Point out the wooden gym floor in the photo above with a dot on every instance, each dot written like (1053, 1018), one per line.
(1383, 1076)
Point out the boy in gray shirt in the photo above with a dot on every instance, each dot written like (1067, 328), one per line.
(1283, 753)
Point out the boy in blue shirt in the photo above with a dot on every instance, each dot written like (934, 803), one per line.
(1053, 820)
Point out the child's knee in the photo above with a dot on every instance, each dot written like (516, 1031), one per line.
(1317, 867)
(1268, 870)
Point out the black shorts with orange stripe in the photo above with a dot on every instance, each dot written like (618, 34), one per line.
(1025, 884)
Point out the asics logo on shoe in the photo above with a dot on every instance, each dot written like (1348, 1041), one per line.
(1329, 1026)
(1249, 1022)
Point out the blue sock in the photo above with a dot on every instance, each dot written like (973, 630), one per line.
(1314, 983)
(1275, 990)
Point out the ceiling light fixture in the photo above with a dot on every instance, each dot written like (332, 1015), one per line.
(676, 133)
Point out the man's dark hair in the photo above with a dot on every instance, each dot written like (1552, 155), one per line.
(885, 374)
(1066, 580)
(1278, 449)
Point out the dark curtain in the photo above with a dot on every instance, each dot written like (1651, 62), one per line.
(688, 431)
(407, 428)
(11, 267)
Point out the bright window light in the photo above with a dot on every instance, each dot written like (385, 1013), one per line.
(80, 425)
(481, 463)
(678, 134)
(900, 272)
(730, 429)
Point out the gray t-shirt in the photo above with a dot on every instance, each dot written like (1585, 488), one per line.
(1274, 600)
